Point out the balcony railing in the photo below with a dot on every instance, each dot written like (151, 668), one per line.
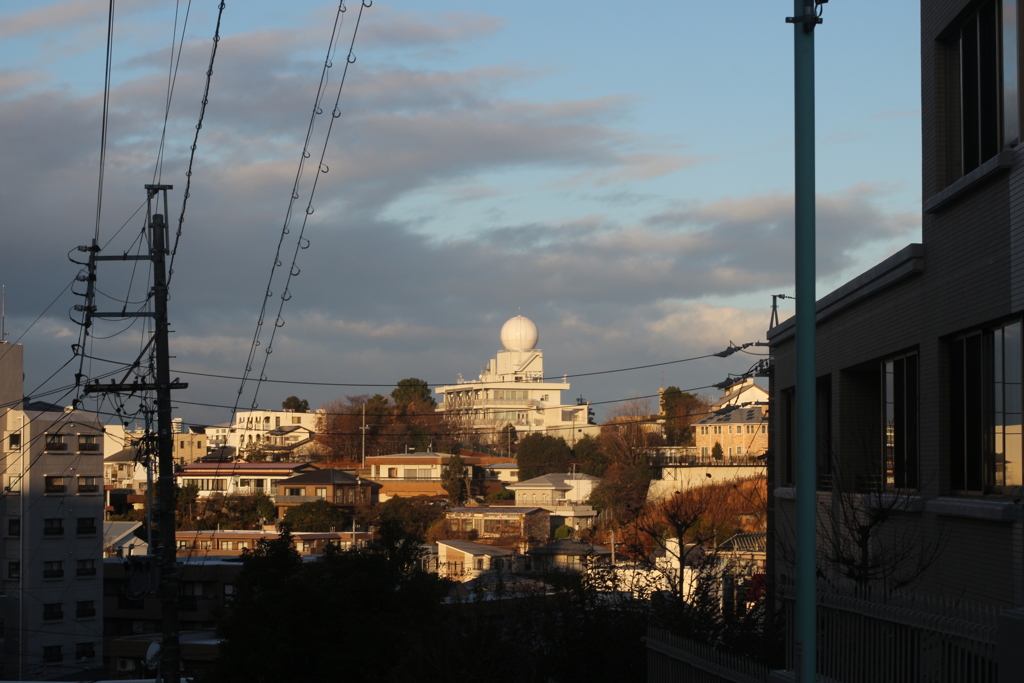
(86, 571)
(55, 488)
(53, 531)
(88, 488)
(54, 446)
(85, 612)
(53, 573)
(85, 530)
(88, 447)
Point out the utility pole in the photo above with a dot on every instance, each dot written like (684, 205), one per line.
(804, 21)
(170, 650)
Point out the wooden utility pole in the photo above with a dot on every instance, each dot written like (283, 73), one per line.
(166, 546)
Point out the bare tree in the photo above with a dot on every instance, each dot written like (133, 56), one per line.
(631, 432)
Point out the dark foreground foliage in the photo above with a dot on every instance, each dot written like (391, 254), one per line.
(372, 615)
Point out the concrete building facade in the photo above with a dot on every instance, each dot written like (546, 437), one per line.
(512, 390)
(52, 532)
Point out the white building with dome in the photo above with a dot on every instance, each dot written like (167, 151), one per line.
(512, 390)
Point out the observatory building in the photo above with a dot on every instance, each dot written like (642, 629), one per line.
(512, 391)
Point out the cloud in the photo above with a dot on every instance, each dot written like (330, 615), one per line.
(382, 294)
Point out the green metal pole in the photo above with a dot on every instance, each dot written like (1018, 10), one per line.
(806, 514)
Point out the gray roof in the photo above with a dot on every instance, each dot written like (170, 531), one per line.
(752, 542)
(553, 481)
(471, 548)
(501, 509)
(326, 476)
(736, 415)
(567, 546)
(123, 455)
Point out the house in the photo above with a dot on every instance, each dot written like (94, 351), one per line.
(238, 478)
(512, 391)
(189, 443)
(565, 496)
(339, 487)
(420, 474)
(252, 428)
(466, 561)
(735, 433)
(919, 373)
(568, 555)
(519, 527)
(52, 532)
(233, 542)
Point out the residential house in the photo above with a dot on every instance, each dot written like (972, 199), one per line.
(565, 496)
(512, 391)
(566, 554)
(514, 527)
(52, 535)
(466, 561)
(252, 428)
(339, 487)
(238, 478)
(919, 371)
(420, 474)
(233, 542)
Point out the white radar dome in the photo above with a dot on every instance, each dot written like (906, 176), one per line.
(519, 334)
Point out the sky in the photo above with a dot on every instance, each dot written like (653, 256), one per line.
(620, 173)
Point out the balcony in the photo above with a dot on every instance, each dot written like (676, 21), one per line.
(56, 446)
(296, 500)
(85, 612)
(53, 573)
(88, 488)
(55, 488)
(85, 571)
(85, 530)
(53, 531)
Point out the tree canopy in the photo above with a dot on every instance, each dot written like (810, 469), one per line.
(318, 515)
(454, 481)
(296, 404)
(680, 409)
(540, 454)
(412, 392)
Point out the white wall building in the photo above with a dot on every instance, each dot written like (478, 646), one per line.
(252, 427)
(52, 532)
(512, 391)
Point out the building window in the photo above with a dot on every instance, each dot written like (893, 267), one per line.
(392, 472)
(985, 410)
(184, 545)
(739, 450)
(982, 77)
(53, 526)
(14, 442)
(54, 485)
(14, 570)
(86, 525)
(295, 491)
(900, 422)
(85, 568)
(55, 442)
(53, 611)
(14, 526)
(85, 651)
(296, 420)
(321, 491)
(88, 443)
(227, 545)
(52, 653)
(53, 569)
(88, 485)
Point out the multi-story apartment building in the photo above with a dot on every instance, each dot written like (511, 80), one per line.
(52, 532)
(920, 463)
(512, 391)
